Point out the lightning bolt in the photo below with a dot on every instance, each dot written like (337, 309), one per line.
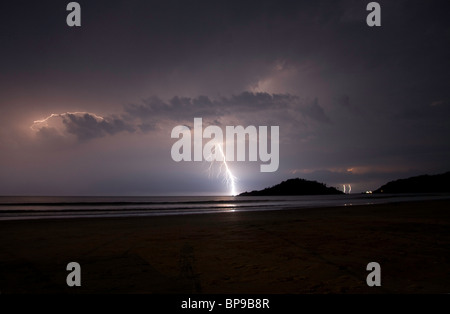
(44, 122)
(349, 188)
(224, 170)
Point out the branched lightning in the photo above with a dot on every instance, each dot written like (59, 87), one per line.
(44, 122)
(224, 170)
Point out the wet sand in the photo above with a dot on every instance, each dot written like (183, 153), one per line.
(320, 250)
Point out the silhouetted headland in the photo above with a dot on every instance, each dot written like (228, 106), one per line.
(295, 187)
(439, 183)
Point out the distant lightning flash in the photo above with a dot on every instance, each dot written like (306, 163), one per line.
(45, 121)
(224, 170)
(349, 189)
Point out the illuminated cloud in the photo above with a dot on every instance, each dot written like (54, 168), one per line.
(152, 113)
(83, 125)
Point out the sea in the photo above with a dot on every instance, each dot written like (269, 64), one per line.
(40, 207)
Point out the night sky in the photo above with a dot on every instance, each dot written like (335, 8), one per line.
(355, 104)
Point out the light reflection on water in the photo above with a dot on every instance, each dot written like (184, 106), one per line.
(13, 208)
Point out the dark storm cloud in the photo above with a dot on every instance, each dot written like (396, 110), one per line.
(86, 126)
(248, 101)
(244, 105)
(345, 102)
(177, 108)
(315, 112)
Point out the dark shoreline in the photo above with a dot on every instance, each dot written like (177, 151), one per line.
(317, 250)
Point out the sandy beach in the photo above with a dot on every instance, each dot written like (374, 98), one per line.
(320, 250)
